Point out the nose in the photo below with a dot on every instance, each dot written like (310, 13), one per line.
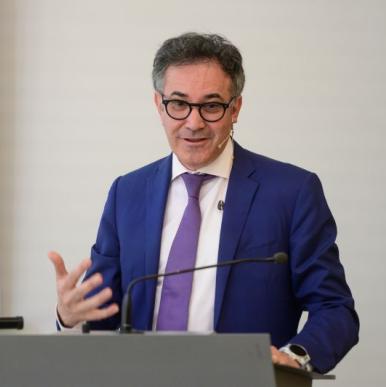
(194, 121)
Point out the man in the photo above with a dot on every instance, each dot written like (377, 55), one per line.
(242, 205)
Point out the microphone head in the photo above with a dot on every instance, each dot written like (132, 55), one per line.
(280, 257)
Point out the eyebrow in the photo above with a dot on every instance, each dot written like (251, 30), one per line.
(207, 96)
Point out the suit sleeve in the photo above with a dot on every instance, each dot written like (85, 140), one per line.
(318, 280)
(105, 256)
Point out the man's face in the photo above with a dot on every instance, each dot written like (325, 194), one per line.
(195, 141)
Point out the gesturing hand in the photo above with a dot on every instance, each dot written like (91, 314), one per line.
(72, 306)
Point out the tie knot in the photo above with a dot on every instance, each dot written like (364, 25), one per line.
(193, 183)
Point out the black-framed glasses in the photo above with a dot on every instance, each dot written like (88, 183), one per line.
(179, 109)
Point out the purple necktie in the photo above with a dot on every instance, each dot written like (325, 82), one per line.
(175, 297)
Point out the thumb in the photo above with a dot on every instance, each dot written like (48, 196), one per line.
(57, 260)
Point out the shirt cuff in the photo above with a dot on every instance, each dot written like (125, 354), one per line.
(63, 328)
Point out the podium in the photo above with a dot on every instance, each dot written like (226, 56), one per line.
(144, 360)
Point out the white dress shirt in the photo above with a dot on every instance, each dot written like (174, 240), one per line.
(201, 309)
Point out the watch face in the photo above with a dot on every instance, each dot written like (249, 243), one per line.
(297, 350)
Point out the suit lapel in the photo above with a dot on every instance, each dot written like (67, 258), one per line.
(156, 195)
(241, 190)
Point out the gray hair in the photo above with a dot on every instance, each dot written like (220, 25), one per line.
(191, 48)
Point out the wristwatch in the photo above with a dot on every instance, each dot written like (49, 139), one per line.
(299, 354)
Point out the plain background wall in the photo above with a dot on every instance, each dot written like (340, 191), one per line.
(76, 111)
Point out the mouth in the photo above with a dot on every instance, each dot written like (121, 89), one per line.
(195, 141)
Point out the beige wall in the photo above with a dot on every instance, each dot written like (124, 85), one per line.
(76, 111)
(7, 146)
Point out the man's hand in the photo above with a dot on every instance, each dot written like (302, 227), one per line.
(282, 358)
(73, 308)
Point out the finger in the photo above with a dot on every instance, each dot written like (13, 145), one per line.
(87, 286)
(57, 260)
(274, 357)
(74, 276)
(94, 302)
(100, 314)
(275, 353)
(277, 358)
(75, 294)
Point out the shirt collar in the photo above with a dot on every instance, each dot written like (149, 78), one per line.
(220, 167)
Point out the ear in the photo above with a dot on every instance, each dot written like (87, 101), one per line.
(158, 102)
(236, 106)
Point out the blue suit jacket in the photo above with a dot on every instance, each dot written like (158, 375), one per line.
(269, 207)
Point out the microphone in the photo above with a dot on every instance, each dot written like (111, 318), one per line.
(126, 320)
(11, 322)
(220, 205)
(219, 146)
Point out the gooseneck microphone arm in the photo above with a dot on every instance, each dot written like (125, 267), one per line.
(126, 320)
